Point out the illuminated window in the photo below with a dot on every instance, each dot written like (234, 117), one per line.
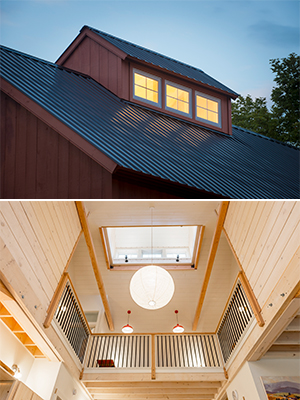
(178, 99)
(146, 87)
(208, 109)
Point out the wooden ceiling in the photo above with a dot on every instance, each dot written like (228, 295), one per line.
(187, 283)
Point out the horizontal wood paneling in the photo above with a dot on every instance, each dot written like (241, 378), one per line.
(265, 236)
(37, 162)
(41, 237)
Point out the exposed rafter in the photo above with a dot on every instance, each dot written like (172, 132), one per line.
(92, 253)
(211, 258)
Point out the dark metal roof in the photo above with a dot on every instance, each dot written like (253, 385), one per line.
(244, 165)
(162, 61)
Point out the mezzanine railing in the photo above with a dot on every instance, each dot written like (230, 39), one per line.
(70, 319)
(235, 321)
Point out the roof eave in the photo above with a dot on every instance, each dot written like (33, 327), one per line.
(157, 67)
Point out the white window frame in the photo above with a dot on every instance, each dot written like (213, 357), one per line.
(190, 99)
(206, 96)
(152, 103)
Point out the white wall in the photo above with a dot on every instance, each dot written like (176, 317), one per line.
(65, 385)
(42, 377)
(248, 380)
(13, 352)
(244, 384)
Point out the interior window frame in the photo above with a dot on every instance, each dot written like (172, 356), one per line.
(207, 121)
(147, 75)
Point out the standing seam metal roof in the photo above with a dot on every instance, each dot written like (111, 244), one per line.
(162, 61)
(244, 165)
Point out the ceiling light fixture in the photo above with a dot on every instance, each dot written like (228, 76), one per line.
(127, 328)
(152, 287)
(178, 328)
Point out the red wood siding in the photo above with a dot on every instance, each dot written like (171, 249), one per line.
(37, 162)
(92, 59)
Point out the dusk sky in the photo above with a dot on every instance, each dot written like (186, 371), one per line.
(230, 40)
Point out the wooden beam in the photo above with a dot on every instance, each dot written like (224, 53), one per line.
(246, 286)
(6, 367)
(197, 249)
(5, 293)
(153, 357)
(55, 299)
(211, 258)
(92, 252)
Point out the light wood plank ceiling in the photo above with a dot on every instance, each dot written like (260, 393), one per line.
(187, 283)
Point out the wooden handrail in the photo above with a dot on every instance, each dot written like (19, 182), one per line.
(55, 299)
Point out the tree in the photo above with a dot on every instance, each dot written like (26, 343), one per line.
(282, 122)
(285, 96)
(252, 114)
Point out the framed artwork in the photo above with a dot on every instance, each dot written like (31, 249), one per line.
(282, 387)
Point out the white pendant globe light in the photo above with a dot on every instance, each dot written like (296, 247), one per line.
(152, 287)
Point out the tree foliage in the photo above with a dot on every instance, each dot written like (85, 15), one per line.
(282, 122)
(285, 96)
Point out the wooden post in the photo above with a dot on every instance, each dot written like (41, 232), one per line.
(55, 299)
(211, 259)
(153, 357)
(92, 252)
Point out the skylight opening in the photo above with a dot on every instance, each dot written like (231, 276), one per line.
(168, 246)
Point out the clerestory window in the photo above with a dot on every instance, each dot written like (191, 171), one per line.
(178, 99)
(208, 109)
(146, 87)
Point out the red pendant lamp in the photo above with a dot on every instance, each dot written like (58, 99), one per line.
(127, 328)
(178, 328)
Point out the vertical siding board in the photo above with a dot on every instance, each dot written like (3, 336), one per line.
(95, 64)
(21, 124)
(10, 148)
(113, 72)
(63, 167)
(31, 150)
(103, 70)
(74, 173)
(84, 176)
(3, 111)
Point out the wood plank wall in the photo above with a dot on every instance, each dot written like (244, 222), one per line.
(38, 163)
(40, 237)
(265, 236)
(102, 65)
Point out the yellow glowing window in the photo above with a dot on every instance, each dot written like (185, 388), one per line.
(146, 88)
(207, 109)
(178, 99)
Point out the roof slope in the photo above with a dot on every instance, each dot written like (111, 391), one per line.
(244, 165)
(162, 61)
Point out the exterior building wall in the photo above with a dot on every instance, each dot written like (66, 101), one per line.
(98, 62)
(37, 162)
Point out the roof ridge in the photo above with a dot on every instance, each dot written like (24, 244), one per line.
(143, 48)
